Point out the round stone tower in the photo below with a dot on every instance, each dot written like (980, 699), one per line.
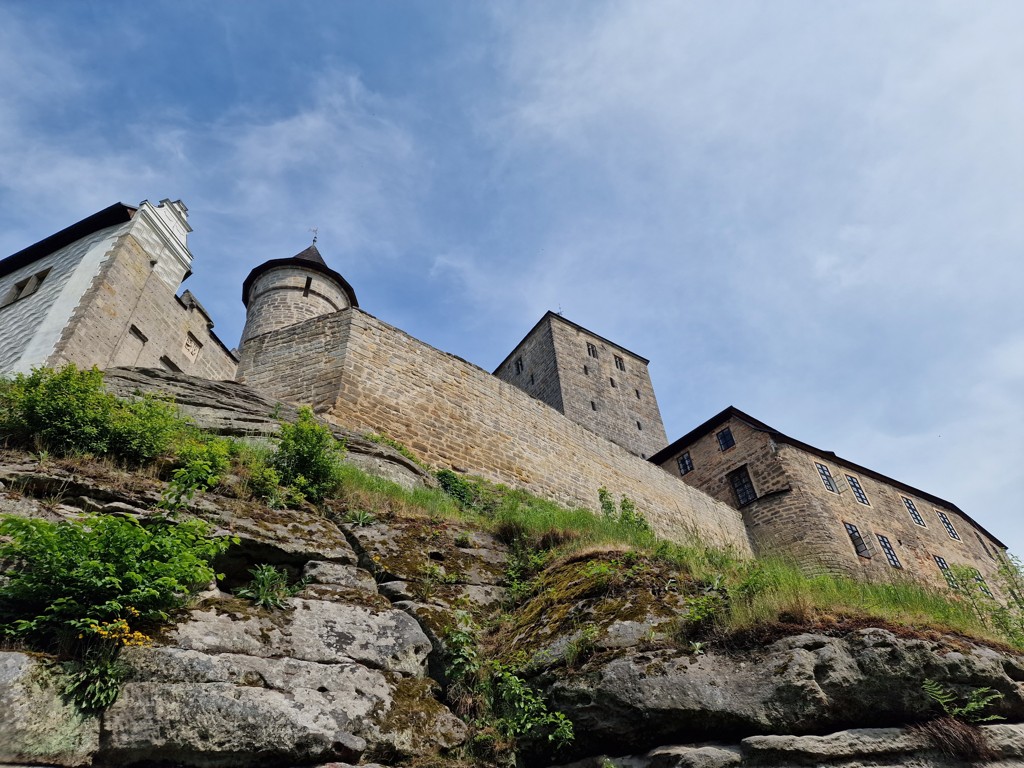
(283, 292)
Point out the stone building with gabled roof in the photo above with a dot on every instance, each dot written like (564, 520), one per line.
(823, 510)
(103, 292)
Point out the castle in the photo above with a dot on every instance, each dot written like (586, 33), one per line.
(566, 413)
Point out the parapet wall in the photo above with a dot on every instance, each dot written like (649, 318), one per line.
(367, 375)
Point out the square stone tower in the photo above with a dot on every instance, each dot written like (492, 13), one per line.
(593, 381)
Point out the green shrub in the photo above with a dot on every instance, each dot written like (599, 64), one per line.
(68, 412)
(972, 710)
(308, 457)
(88, 587)
(269, 587)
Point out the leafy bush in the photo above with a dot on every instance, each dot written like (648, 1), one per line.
(308, 457)
(93, 576)
(269, 587)
(201, 463)
(69, 412)
(77, 588)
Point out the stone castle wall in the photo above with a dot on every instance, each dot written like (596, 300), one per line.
(368, 375)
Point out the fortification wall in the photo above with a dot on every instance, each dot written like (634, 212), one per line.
(455, 414)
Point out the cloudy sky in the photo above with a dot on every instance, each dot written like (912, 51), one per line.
(811, 211)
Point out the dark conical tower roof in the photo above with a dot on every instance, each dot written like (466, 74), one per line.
(307, 259)
(311, 254)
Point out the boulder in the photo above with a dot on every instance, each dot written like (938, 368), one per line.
(36, 725)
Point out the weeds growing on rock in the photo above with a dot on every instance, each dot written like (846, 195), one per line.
(269, 587)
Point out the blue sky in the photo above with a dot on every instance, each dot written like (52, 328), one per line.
(811, 211)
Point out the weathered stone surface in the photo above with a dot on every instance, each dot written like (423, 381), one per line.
(36, 725)
(232, 709)
(803, 684)
(310, 630)
(320, 572)
(231, 408)
(855, 748)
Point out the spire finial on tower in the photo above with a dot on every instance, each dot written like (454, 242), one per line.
(316, 232)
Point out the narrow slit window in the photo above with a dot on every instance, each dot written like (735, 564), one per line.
(586, 371)
(619, 363)
(637, 393)
(914, 514)
(307, 286)
(519, 365)
(612, 381)
(591, 350)
(531, 379)
(593, 405)
(890, 553)
(948, 526)
(859, 545)
(858, 492)
(984, 546)
(826, 477)
(639, 426)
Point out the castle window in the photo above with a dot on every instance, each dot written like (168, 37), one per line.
(637, 393)
(586, 371)
(914, 514)
(948, 526)
(24, 288)
(638, 426)
(725, 439)
(591, 350)
(593, 405)
(858, 492)
(306, 287)
(859, 544)
(612, 381)
(531, 379)
(944, 567)
(685, 463)
(890, 553)
(519, 365)
(826, 477)
(742, 486)
(619, 363)
(980, 580)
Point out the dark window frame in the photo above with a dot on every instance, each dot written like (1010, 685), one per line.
(592, 350)
(725, 439)
(858, 490)
(890, 553)
(946, 572)
(860, 546)
(620, 363)
(826, 478)
(518, 365)
(948, 525)
(914, 514)
(685, 463)
(742, 486)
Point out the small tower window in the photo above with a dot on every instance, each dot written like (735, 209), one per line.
(593, 405)
(519, 365)
(612, 381)
(619, 363)
(586, 371)
(637, 393)
(306, 287)
(639, 426)
(531, 379)
(591, 350)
